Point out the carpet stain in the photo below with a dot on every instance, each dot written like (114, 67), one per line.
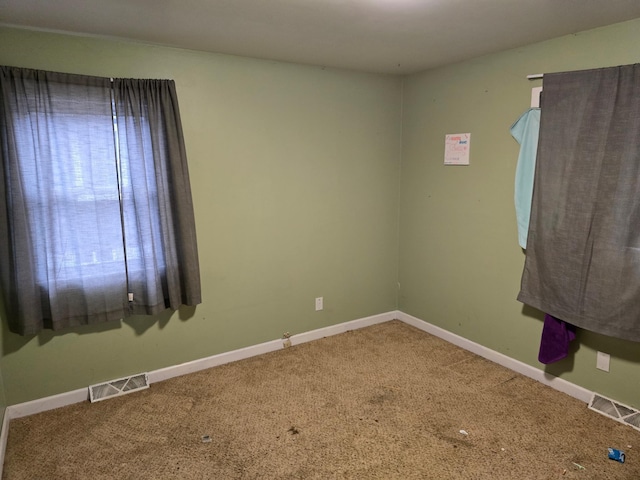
(383, 396)
(455, 441)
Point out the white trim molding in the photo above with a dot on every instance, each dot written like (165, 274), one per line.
(556, 383)
(82, 394)
(47, 403)
(271, 346)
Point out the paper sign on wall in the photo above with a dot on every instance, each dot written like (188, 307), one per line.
(456, 149)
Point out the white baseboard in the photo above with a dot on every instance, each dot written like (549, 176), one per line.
(271, 346)
(33, 407)
(81, 395)
(556, 383)
(47, 403)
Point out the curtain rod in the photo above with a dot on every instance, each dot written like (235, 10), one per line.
(535, 76)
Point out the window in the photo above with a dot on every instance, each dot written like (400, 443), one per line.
(96, 200)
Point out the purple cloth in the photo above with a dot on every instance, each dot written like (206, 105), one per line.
(556, 335)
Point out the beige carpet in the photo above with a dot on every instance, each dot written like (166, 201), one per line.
(384, 402)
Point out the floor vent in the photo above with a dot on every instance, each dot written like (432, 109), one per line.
(612, 409)
(115, 388)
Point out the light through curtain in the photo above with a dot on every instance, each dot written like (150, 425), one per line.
(583, 247)
(95, 202)
(160, 237)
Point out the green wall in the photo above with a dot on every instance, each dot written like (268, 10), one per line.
(294, 171)
(300, 191)
(460, 263)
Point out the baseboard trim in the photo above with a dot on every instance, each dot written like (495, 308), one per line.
(343, 327)
(271, 346)
(33, 407)
(47, 403)
(81, 395)
(556, 383)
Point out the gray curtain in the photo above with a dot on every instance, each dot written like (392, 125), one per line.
(95, 201)
(583, 251)
(161, 227)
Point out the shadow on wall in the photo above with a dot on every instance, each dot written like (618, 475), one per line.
(566, 364)
(618, 347)
(12, 342)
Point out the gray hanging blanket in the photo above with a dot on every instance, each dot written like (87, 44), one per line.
(583, 247)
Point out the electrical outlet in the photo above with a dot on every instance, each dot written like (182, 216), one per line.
(319, 304)
(602, 361)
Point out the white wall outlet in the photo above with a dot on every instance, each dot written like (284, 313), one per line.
(319, 304)
(602, 361)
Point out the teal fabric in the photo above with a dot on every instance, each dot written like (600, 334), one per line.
(525, 130)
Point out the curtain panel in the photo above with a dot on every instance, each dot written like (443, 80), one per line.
(96, 216)
(583, 250)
